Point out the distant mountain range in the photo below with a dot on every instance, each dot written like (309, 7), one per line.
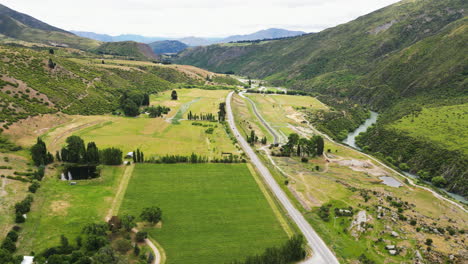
(271, 33)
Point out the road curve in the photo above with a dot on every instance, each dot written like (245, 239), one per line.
(321, 253)
(157, 255)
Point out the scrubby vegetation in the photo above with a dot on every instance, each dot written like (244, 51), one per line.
(422, 157)
(292, 251)
(30, 87)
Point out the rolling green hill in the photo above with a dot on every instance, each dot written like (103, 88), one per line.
(127, 49)
(30, 86)
(20, 26)
(167, 46)
(397, 60)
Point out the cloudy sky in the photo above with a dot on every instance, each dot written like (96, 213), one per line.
(206, 18)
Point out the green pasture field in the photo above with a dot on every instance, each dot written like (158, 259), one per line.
(60, 208)
(446, 125)
(279, 110)
(154, 136)
(212, 213)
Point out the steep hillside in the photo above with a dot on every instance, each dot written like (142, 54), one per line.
(128, 49)
(23, 27)
(35, 82)
(167, 46)
(400, 60)
(348, 57)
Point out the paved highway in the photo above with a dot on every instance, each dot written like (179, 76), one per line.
(321, 253)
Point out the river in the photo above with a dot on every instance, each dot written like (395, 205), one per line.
(351, 139)
(453, 195)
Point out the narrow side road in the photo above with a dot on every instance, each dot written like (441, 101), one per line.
(321, 253)
(265, 123)
(117, 202)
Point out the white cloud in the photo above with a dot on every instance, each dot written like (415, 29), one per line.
(207, 18)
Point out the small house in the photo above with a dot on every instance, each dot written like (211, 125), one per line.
(129, 155)
(115, 223)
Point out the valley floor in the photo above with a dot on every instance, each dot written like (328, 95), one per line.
(344, 178)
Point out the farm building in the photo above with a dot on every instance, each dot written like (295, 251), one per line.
(27, 260)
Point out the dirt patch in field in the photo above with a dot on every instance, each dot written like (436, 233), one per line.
(365, 166)
(295, 116)
(59, 207)
(192, 71)
(25, 132)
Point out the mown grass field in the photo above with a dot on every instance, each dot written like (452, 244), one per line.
(212, 213)
(445, 125)
(60, 208)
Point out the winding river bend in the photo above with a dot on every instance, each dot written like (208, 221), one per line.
(351, 139)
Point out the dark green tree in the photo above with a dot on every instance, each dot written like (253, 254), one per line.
(130, 108)
(76, 150)
(39, 153)
(174, 95)
(128, 222)
(141, 236)
(57, 156)
(92, 153)
(146, 99)
(51, 64)
(34, 186)
(151, 214)
(320, 145)
(222, 112)
(8, 245)
(111, 156)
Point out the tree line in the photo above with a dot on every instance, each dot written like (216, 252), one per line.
(76, 152)
(302, 147)
(209, 116)
(138, 156)
(202, 116)
(194, 158)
